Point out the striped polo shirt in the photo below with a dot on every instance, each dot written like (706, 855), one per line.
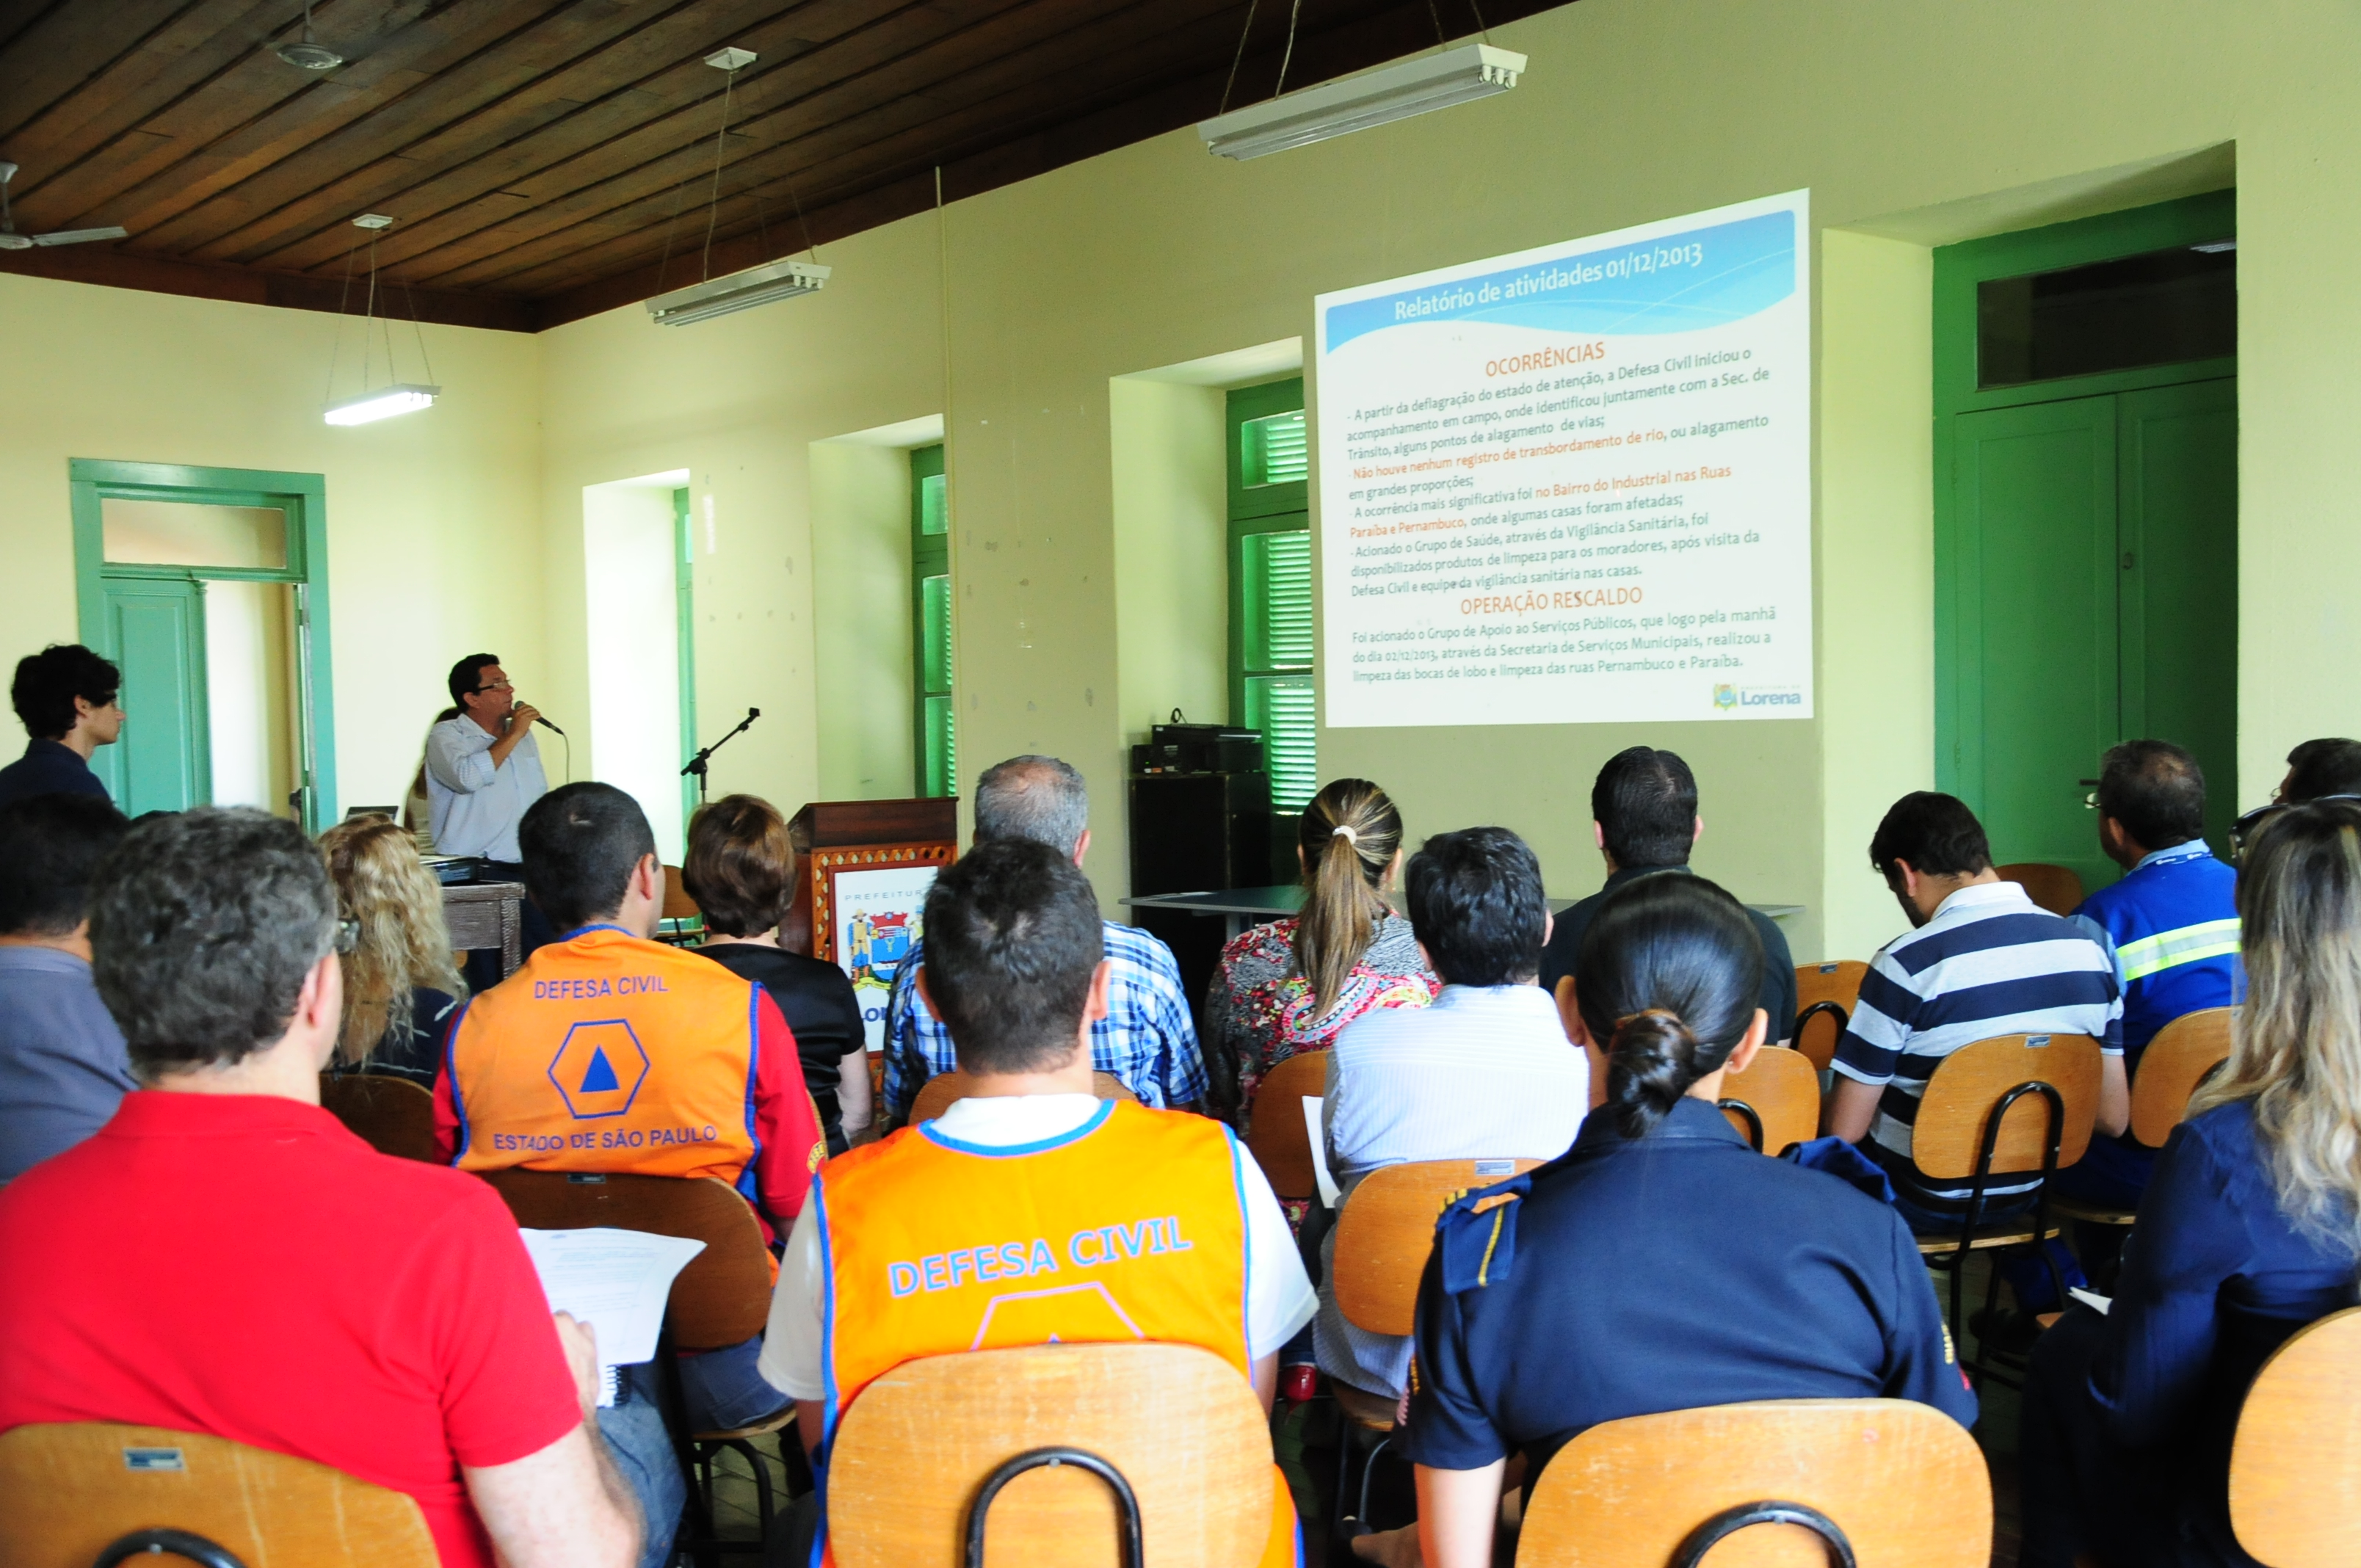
(1988, 963)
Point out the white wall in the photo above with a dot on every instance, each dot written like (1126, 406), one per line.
(629, 603)
(861, 615)
(1171, 574)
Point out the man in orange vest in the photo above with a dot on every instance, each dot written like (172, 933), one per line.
(1030, 1210)
(608, 1051)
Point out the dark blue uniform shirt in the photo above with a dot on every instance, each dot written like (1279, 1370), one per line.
(48, 767)
(1680, 1271)
(1778, 966)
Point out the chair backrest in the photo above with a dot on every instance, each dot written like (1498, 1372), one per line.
(2295, 1467)
(1386, 1230)
(1906, 1484)
(722, 1298)
(1833, 988)
(2182, 1057)
(1947, 1136)
(1179, 1423)
(678, 904)
(1276, 1133)
(392, 1116)
(2058, 889)
(1783, 1090)
(73, 1488)
(939, 1094)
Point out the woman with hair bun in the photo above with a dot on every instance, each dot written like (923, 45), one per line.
(1660, 1264)
(1292, 986)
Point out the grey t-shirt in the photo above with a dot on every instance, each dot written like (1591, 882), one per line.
(62, 1066)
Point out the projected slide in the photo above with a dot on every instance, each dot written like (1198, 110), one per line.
(1573, 485)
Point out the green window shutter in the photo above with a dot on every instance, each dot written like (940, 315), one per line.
(1277, 600)
(933, 664)
(1273, 450)
(1281, 708)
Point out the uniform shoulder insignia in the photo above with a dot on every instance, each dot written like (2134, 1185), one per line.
(1476, 1235)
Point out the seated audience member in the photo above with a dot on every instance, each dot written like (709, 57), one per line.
(401, 983)
(1662, 1264)
(1147, 1040)
(2247, 1232)
(65, 696)
(1016, 967)
(610, 1051)
(1484, 1072)
(1643, 812)
(2322, 769)
(1290, 986)
(741, 869)
(1981, 961)
(2171, 928)
(62, 1067)
(224, 1256)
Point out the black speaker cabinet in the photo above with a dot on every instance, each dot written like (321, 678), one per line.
(1200, 832)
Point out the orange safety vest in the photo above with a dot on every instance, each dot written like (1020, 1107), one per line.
(610, 1052)
(1131, 1227)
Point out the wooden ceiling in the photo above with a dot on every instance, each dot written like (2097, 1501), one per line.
(546, 159)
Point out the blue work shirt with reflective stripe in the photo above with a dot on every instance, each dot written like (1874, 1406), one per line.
(2171, 928)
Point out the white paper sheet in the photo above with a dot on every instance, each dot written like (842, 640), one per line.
(1327, 1183)
(2089, 1299)
(617, 1281)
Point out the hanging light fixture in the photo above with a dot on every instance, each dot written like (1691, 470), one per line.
(306, 53)
(1395, 92)
(372, 403)
(737, 290)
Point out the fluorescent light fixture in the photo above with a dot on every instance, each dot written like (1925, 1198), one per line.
(2214, 247)
(739, 291)
(1393, 92)
(404, 398)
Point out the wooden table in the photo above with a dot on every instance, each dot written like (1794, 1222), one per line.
(487, 915)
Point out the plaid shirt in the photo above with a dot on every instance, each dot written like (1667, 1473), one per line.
(1146, 1039)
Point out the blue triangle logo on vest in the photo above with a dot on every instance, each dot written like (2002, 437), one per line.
(598, 1078)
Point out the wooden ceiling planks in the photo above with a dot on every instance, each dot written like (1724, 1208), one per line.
(548, 159)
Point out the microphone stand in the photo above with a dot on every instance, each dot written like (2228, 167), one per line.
(697, 763)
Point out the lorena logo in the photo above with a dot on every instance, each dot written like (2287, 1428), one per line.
(1724, 697)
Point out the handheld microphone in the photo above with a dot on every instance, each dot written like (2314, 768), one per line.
(546, 724)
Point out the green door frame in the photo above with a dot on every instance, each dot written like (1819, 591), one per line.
(684, 588)
(931, 556)
(2192, 220)
(302, 500)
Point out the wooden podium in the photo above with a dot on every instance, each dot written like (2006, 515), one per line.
(833, 838)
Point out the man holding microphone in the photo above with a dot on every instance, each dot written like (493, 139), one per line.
(483, 770)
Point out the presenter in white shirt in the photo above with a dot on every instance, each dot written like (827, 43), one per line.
(483, 770)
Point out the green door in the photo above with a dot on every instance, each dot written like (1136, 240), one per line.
(2179, 519)
(156, 632)
(2037, 682)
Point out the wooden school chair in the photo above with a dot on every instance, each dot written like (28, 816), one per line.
(2013, 1105)
(1025, 1456)
(680, 923)
(1775, 1101)
(721, 1298)
(1384, 1235)
(2184, 1054)
(2295, 1466)
(1276, 1133)
(2058, 889)
(392, 1116)
(1825, 994)
(77, 1489)
(939, 1094)
(1899, 1484)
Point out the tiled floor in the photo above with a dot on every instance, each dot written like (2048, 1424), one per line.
(736, 1512)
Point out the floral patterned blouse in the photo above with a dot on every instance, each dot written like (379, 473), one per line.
(1259, 1010)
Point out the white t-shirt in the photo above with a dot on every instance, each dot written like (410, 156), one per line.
(1280, 1298)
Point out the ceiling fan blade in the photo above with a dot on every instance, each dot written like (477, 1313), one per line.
(79, 237)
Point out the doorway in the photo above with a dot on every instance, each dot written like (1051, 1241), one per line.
(2086, 516)
(637, 556)
(207, 587)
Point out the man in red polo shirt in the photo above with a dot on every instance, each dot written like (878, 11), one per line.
(222, 1257)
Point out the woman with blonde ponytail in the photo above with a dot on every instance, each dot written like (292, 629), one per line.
(1292, 985)
(1660, 1264)
(2249, 1229)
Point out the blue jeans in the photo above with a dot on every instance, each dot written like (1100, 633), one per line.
(723, 1391)
(635, 1429)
